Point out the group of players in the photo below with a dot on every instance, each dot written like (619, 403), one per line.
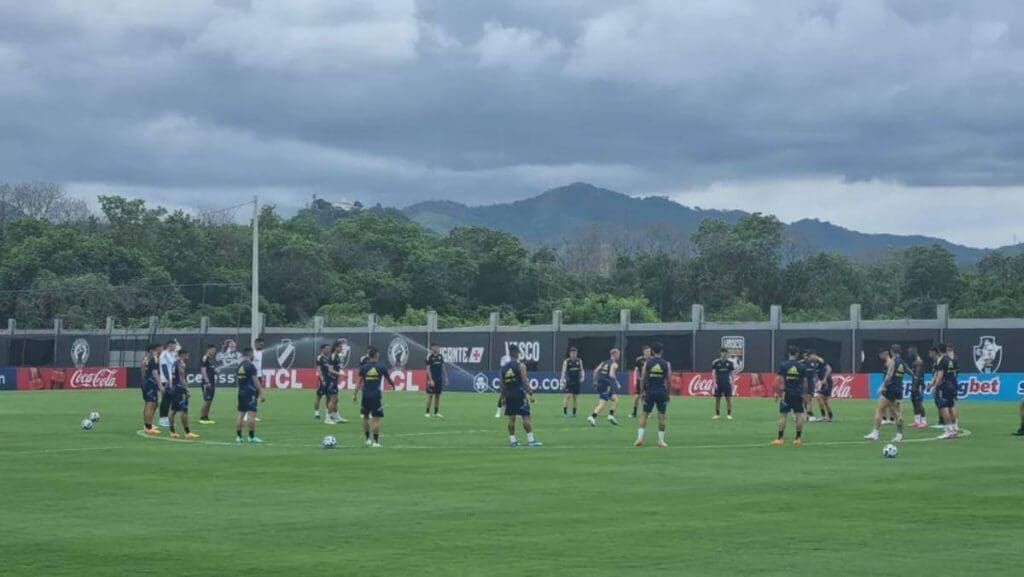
(803, 377)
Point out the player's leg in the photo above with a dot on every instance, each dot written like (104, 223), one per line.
(251, 416)
(148, 410)
(784, 410)
(365, 416)
(430, 401)
(881, 409)
(316, 403)
(238, 422)
(1020, 431)
(718, 405)
(528, 427)
(172, 414)
(497, 413)
(898, 411)
(165, 408)
(375, 426)
(798, 417)
(611, 410)
(662, 405)
(728, 405)
(565, 403)
(575, 403)
(592, 419)
(437, 404)
(641, 426)
(512, 440)
(636, 405)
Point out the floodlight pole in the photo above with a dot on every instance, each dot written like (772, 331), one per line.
(255, 320)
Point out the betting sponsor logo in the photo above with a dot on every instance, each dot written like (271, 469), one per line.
(736, 348)
(398, 353)
(83, 378)
(80, 352)
(462, 355)
(701, 386)
(988, 355)
(978, 387)
(1020, 388)
(285, 353)
(529, 351)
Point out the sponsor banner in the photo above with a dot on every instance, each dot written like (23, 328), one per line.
(82, 351)
(8, 379)
(845, 386)
(536, 349)
(72, 378)
(973, 387)
(468, 350)
(988, 351)
(490, 382)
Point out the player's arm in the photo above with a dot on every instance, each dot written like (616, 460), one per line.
(780, 385)
(359, 387)
(430, 374)
(259, 387)
(183, 379)
(526, 381)
(387, 377)
(890, 370)
(937, 372)
(614, 372)
(641, 382)
(668, 382)
(828, 372)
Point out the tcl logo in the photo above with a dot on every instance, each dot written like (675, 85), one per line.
(976, 387)
(94, 379)
(404, 380)
(282, 379)
(701, 386)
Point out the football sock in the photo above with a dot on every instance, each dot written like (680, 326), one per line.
(252, 434)
(376, 437)
(799, 434)
(781, 433)
(529, 438)
(661, 436)
(640, 434)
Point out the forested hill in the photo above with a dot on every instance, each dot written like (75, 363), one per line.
(559, 215)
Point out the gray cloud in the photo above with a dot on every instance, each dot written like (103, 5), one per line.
(398, 101)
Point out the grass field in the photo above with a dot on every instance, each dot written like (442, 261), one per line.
(448, 498)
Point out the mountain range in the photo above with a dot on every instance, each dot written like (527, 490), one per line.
(555, 217)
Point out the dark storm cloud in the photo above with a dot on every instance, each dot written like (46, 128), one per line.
(399, 101)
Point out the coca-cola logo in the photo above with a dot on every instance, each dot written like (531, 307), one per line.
(842, 386)
(94, 379)
(701, 386)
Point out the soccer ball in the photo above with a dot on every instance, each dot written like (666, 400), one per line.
(94, 416)
(87, 424)
(330, 442)
(890, 451)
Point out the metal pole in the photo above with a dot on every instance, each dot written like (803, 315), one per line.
(255, 320)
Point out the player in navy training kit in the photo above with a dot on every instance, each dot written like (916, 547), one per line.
(945, 386)
(916, 367)
(209, 382)
(437, 377)
(606, 382)
(372, 375)
(180, 395)
(150, 388)
(789, 391)
(638, 369)
(572, 381)
(250, 395)
(516, 397)
(824, 394)
(811, 367)
(654, 388)
(337, 360)
(724, 369)
(890, 394)
(326, 383)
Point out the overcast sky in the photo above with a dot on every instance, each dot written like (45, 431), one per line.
(902, 116)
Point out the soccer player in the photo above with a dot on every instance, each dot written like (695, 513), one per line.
(653, 386)
(945, 386)
(606, 383)
(789, 391)
(150, 388)
(250, 395)
(372, 373)
(505, 359)
(437, 377)
(257, 361)
(811, 366)
(167, 359)
(724, 369)
(333, 387)
(638, 369)
(179, 396)
(890, 393)
(516, 397)
(209, 376)
(323, 377)
(916, 364)
(824, 395)
(572, 381)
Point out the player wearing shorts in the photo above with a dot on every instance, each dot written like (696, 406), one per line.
(638, 369)
(516, 397)
(811, 366)
(945, 386)
(372, 375)
(333, 386)
(150, 388)
(437, 377)
(824, 394)
(917, 386)
(572, 381)
(180, 394)
(654, 387)
(505, 359)
(789, 391)
(890, 394)
(250, 395)
(167, 359)
(606, 383)
(324, 378)
(208, 374)
(724, 369)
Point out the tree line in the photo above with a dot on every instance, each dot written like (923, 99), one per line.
(132, 261)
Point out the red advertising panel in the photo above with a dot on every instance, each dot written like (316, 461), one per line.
(36, 379)
(845, 386)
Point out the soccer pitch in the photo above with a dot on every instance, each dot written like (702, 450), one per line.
(449, 497)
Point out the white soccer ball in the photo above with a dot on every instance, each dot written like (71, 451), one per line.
(890, 451)
(87, 424)
(94, 416)
(330, 442)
